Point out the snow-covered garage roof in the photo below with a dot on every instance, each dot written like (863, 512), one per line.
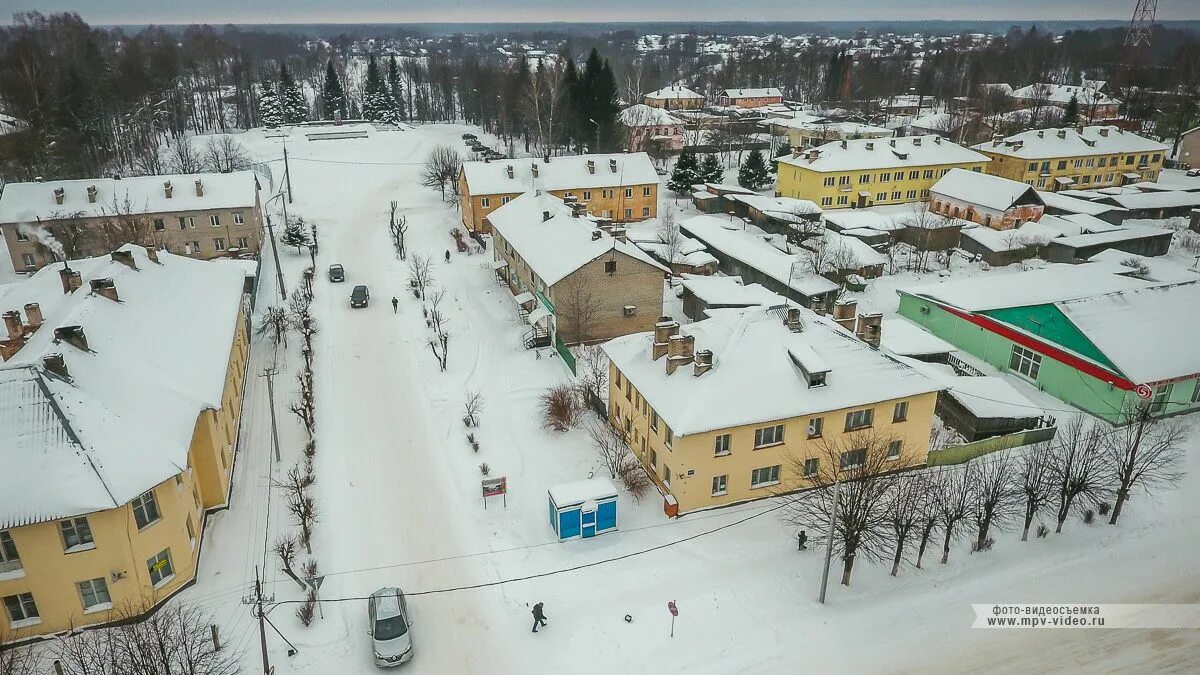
(122, 420)
(1052, 283)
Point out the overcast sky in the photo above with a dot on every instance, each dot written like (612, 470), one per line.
(424, 11)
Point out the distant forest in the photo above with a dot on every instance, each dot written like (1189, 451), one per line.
(98, 101)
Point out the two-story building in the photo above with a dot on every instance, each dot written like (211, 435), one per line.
(750, 97)
(998, 203)
(1091, 104)
(1075, 158)
(740, 405)
(619, 187)
(866, 172)
(573, 280)
(649, 128)
(674, 97)
(203, 215)
(120, 403)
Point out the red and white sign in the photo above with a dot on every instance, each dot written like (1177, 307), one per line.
(672, 608)
(1144, 391)
(493, 487)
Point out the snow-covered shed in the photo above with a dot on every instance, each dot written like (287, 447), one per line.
(583, 508)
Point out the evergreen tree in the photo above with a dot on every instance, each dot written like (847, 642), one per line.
(711, 170)
(291, 100)
(569, 132)
(753, 175)
(685, 174)
(784, 151)
(595, 104)
(396, 88)
(295, 235)
(332, 93)
(1071, 113)
(269, 111)
(376, 102)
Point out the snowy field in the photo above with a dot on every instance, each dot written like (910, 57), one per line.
(398, 496)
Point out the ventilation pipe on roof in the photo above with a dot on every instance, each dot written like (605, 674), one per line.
(663, 330)
(55, 363)
(70, 279)
(91, 194)
(703, 363)
(917, 141)
(509, 170)
(152, 254)
(545, 216)
(533, 167)
(591, 166)
(125, 258)
(199, 188)
(12, 324)
(680, 351)
(59, 194)
(168, 188)
(1062, 133)
(870, 145)
(869, 328)
(33, 316)
(612, 164)
(105, 288)
(792, 320)
(1104, 131)
(72, 335)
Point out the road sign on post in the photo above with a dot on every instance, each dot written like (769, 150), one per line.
(1144, 391)
(495, 486)
(674, 610)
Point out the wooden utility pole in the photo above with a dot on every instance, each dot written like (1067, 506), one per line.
(275, 253)
(287, 174)
(837, 485)
(270, 374)
(262, 629)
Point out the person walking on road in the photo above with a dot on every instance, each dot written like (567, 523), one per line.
(538, 616)
(395, 305)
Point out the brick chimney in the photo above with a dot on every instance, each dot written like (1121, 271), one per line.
(869, 328)
(70, 279)
(199, 188)
(33, 316)
(663, 330)
(59, 194)
(916, 141)
(106, 288)
(91, 194)
(125, 258)
(681, 350)
(72, 335)
(509, 170)
(844, 314)
(12, 324)
(870, 145)
(1104, 131)
(55, 363)
(591, 166)
(703, 363)
(612, 164)
(792, 320)
(168, 189)
(534, 169)
(545, 216)
(152, 254)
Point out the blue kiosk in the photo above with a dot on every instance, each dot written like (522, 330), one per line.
(583, 508)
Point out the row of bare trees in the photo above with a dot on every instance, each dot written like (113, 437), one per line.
(887, 510)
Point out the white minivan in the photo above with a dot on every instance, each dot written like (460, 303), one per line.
(389, 623)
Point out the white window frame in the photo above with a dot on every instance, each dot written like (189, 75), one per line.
(219, 243)
(29, 260)
(845, 465)
(214, 219)
(771, 476)
(140, 503)
(860, 419)
(98, 590)
(9, 554)
(485, 203)
(811, 470)
(900, 412)
(163, 579)
(79, 531)
(722, 445)
(765, 437)
(1161, 397)
(239, 218)
(1025, 362)
(629, 193)
(720, 485)
(27, 606)
(894, 449)
(816, 424)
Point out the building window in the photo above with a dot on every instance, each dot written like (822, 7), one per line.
(21, 236)
(160, 568)
(1162, 395)
(885, 177)
(912, 194)
(214, 220)
(928, 174)
(843, 180)
(900, 413)
(864, 178)
(1195, 399)
(645, 211)
(1129, 160)
(183, 222)
(1025, 362)
(159, 224)
(28, 259)
(8, 553)
(485, 202)
(896, 194)
(668, 435)
(1033, 166)
(239, 218)
(629, 193)
(646, 191)
(666, 475)
(628, 213)
(843, 200)
(882, 196)
(610, 266)
(504, 200)
(21, 607)
(924, 194)
(860, 419)
(653, 459)
(719, 484)
(913, 175)
(653, 421)
(219, 244)
(767, 475)
(816, 426)
(145, 509)
(829, 181)
(852, 459)
(721, 445)
(243, 242)
(811, 466)
(76, 534)
(587, 195)
(1062, 165)
(94, 593)
(893, 449)
(765, 436)
(826, 201)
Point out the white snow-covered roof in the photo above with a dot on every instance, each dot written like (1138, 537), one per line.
(675, 91)
(123, 421)
(580, 491)
(856, 250)
(566, 172)
(799, 120)
(1077, 223)
(1148, 332)
(1026, 235)
(729, 291)
(555, 247)
(28, 202)
(759, 92)
(783, 208)
(1156, 200)
(754, 379)
(866, 154)
(728, 238)
(1127, 232)
(1062, 202)
(991, 397)
(1062, 94)
(901, 336)
(844, 129)
(642, 115)
(982, 189)
(1166, 269)
(873, 218)
(1050, 284)
(1069, 142)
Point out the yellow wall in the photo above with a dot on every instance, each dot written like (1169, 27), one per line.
(642, 203)
(1089, 174)
(695, 452)
(804, 183)
(51, 574)
(675, 103)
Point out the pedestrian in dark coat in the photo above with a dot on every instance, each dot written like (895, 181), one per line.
(447, 255)
(538, 616)
(395, 305)
(802, 539)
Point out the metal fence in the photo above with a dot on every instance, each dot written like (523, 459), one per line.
(567, 357)
(959, 454)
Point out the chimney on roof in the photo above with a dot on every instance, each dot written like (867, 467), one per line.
(663, 330)
(12, 324)
(844, 144)
(55, 363)
(681, 350)
(105, 288)
(533, 167)
(72, 335)
(125, 258)
(545, 216)
(792, 320)
(70, 279)
(937, 139)
(91, 194)
(869, 328)
(509, 170)
(168, 188)
(570, 199)
(199, 188)
(596, 234)
(612, 164)
(619, 233)
(591, 166)
(813, 154)
(1104, 131)
(1062, 133)
(33, 316)
(916, 141)
(844, 313)
(703, 363)
(892, 142)
(996, 139)
(59, 193)
(152, 254)
(546, 157)
(870, 145)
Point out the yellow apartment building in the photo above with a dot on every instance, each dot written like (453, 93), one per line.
(120, 397)
(1079, 158)
(619, 187)
(730, 408)
(872, 172)
(203, 215)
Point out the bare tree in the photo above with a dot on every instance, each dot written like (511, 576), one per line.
(420, 275)
(1146, 453)
(224, 154)
(906, 503)
(1036, 481)
(304, 509)
(611, 446)
(996, 493)
(274, 326)
(441, 169)
(578, 309)
(70, 235)
(860, 463)
(304, 407)
(398, 228)
(472, 408)
(1077, 466)
(122, 224)
(18, 660)
(592, 375)
(927, 519)
(671, 237)
(285, 550)
(560, 408)
(182, 156)
(954, 500)
(439, 341)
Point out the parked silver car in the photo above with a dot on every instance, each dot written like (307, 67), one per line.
(389, 621)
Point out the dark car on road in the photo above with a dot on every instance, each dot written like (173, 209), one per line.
(360, 296)
(337, 273)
